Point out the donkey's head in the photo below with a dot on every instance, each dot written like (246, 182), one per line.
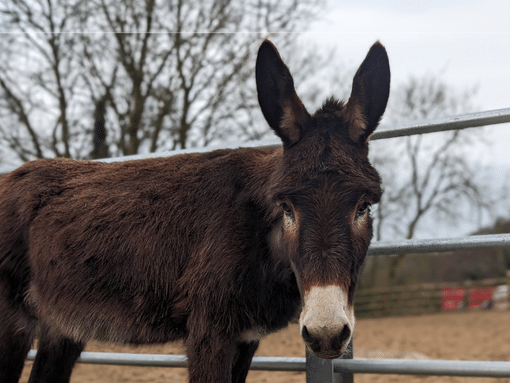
(324, 186)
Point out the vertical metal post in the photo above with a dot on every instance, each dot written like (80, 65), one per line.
(319, 370)
(346, 376)
(322, 370)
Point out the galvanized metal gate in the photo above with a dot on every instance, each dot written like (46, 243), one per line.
(343, 370)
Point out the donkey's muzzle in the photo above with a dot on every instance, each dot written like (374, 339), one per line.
(327, 321)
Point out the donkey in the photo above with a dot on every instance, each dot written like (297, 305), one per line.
(216, 249)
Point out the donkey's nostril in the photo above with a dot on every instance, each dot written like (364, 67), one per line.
(312, 342)
(337, 342)
(305, 334)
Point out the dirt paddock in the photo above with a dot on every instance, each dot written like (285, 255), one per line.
(477, 335)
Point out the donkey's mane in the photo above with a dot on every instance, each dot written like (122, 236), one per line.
(331, 105)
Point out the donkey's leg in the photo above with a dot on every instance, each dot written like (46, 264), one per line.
(16, 337)
(242, 364)
(210, 359)
(56, 356)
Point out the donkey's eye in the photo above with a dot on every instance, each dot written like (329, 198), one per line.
(287, 209)
(363, 209)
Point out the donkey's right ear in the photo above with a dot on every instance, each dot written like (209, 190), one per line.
(278, 100)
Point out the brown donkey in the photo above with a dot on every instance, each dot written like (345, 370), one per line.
(217, 249)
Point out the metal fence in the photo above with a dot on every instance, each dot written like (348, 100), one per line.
(342, 370)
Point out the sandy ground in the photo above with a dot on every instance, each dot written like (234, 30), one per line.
(478, 335)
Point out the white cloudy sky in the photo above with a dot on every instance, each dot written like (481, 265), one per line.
(466, 41)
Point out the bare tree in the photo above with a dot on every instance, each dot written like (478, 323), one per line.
(37, 78)
(103, 77)
(426, 177)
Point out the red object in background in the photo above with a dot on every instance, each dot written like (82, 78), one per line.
(453, 297)
(479, 295)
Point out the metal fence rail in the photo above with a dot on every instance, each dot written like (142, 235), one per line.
(263, 363)
(462, 121)
(342, 370)
(438, 245)
(424, 367)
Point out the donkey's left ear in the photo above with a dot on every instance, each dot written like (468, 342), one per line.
(370, 92)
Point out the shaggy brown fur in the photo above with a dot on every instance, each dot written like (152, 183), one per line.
(192, 246)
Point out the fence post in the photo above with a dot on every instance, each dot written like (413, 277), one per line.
(319, 370)
(346, 376)
(322, 370)
(507, 299)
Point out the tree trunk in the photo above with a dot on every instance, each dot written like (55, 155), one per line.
(100, 148)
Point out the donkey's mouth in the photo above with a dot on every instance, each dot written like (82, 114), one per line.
(329, 355)
(328, 347)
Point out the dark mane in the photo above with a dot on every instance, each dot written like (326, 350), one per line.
(331, 106)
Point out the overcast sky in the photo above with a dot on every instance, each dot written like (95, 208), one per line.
(467, 42)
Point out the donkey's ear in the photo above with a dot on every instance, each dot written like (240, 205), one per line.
(278, 100)
(370, 91)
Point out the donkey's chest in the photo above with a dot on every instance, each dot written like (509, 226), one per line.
(276, 307)
(270, 324)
